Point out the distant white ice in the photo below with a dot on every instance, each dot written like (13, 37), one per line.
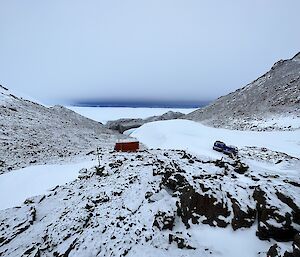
(104, 114)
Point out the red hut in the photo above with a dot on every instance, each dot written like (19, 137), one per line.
(127, 145)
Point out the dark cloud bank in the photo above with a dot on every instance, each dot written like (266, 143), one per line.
(142, 52)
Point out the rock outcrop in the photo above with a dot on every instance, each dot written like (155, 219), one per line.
(150, 202)
(122, 125)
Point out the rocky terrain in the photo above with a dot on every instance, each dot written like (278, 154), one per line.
(122, 125)
(161, 202)
(155, 203)
(31, 133)
(271, 102)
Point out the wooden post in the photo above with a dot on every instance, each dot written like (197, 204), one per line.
(98, 155)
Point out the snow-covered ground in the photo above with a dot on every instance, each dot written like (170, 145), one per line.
(18, 185)
(278, 122)
(113, 214)
(104, 114)
(199, 139)
(119, 207)
(175, 134)
(218, 242)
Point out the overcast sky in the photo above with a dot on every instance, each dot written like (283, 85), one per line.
(162, 50)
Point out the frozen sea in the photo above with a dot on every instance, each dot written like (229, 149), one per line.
(105, 114)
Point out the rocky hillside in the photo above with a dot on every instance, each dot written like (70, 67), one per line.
(270, 102)
(31, 133)
(162, 203)
(122, 125)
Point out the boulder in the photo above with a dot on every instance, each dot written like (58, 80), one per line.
(273, 251)
(272, 222)
(164, 220)
(194, 205)
(241, 218)
(181, 242)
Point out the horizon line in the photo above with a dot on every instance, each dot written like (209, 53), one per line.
(134, 104)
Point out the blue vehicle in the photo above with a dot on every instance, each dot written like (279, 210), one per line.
(219, 146)
(226, 149)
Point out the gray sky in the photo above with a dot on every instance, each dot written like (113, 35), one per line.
(121, 50)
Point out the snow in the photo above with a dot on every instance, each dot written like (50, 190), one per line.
(127, 184)
(32, 133)
(104, 114)
(18, 185)
(129, 131)
(199, 139)
(278, 121)
(213, 241)
(219, 241)
(5, 96)
(129, 177)
(127, 140)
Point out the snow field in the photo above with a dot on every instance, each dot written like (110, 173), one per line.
(199, 139)
(18, 185)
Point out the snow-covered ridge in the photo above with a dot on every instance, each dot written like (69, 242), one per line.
(3, 95)
(31, 133)
(271, 96)
(7, 95)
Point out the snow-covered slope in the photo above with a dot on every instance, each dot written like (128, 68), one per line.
(271, 102)
(31, 133)
(18, 185)
(158, 203)
(198, 138)
(274, 153)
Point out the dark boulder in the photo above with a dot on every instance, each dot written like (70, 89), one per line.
(273, 251)
(174, 182)
(288, 201)
(268, 215)
(193, 204)
(163, 220)
(240, 167)
(241, 218)
(296, 246)
(181, 242)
